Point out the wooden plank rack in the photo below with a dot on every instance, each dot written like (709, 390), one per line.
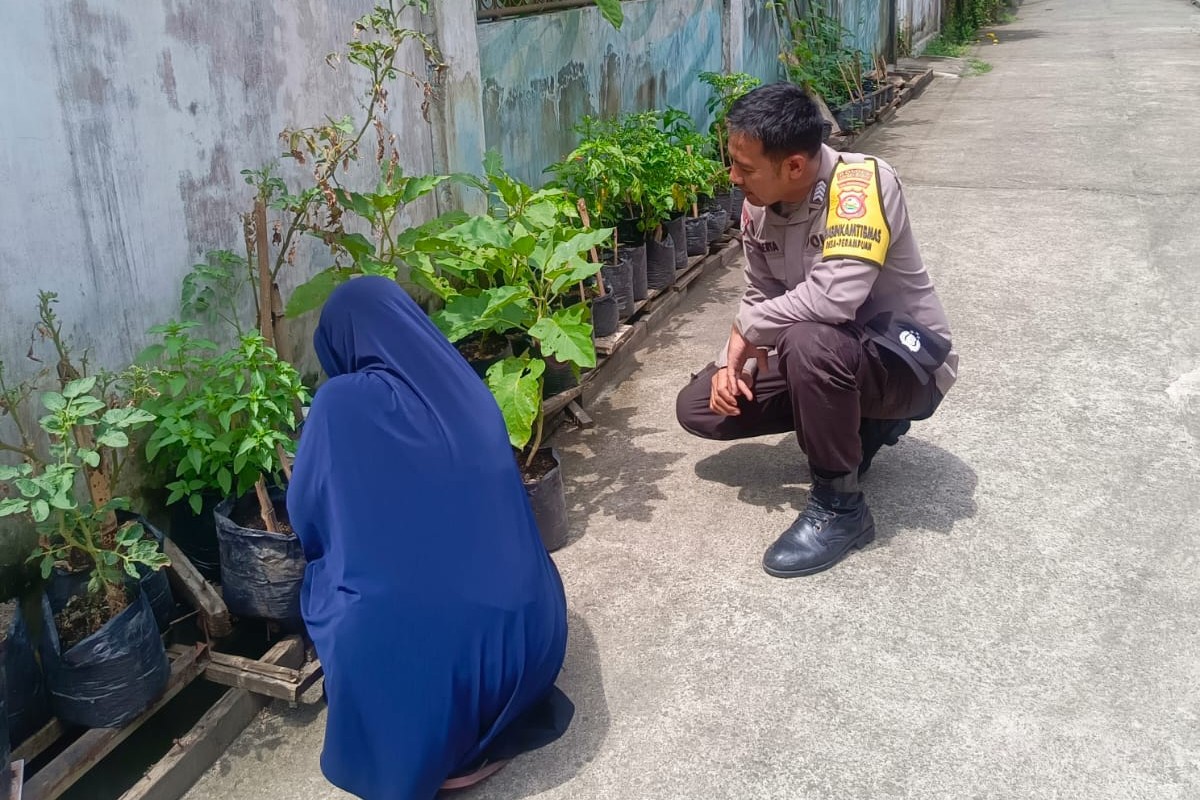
(269, 676)
(70, 765)
(284, 673)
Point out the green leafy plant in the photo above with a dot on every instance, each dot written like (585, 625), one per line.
(603, 170)
(383, 253)
(330, 149)
(515, 271)
(726, 90)
(815, 52)
(87, 436)
(644, 166)
(224, 419)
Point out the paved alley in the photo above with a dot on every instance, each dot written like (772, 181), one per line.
(1027, 625)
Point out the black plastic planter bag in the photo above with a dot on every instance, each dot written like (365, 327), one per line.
(697, 235)
(737, 201)
(261, 571)
(677, 230)
(154, 584)
(196, 536)
(724, 200)
(62, 585)
(26, 703)
(559, 376)
(111, 676)
(619, 280)
(718, 218)
(547, 498)
(637, 261)
(660, 263)
(605, 319)
(4, 745)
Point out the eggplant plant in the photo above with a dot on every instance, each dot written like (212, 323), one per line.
(516, 271)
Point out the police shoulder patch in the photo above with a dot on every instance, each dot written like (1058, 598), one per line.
(856, 226)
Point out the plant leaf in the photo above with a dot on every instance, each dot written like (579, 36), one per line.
(566, 336)
(313, 293)
(611, 10)
(79, 387)
(54, 402)
(225, 481)
(111, 438)
(466, 314)
(27, 487)
(420, 186)
(40, 510)
(13, 505)
(516, 383)
(482, 231)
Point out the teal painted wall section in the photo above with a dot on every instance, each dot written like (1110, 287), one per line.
(760, 47)
(869, 23)
(541, 74)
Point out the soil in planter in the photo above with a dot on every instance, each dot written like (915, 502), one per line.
(481, 349)
(112, 675)
(250, 517)
(81, 617)
(542, 465)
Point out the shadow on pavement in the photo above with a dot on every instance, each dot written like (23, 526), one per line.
(912, 486)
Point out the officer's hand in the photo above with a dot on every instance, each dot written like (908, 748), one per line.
(738, 353)
(723, 398)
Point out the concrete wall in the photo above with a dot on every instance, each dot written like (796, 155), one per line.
(918, 20)
(869, 23)
(760, 44)
(542, 74)
(123, 130)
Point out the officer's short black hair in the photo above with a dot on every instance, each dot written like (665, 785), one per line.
(782, 116)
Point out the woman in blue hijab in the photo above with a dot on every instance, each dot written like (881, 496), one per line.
(437, 614)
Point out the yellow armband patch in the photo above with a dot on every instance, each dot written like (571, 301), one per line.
(856, 226)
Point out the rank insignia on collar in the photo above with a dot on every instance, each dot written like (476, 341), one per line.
(818, 193)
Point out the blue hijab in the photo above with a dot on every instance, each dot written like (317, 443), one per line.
(437, 614)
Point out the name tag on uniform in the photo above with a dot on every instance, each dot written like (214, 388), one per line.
(856, 226)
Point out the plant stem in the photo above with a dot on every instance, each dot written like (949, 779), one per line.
(537, 438)
(266, 316)
(265, 506)
(26, 452)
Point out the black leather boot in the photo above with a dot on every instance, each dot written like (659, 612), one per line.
(835, 521)
(875, 433)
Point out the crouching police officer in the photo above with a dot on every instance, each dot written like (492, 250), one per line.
(839, 335)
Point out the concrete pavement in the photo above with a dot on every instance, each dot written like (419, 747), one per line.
(1028, 623)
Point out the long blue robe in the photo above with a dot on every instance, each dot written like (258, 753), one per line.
(437, 614)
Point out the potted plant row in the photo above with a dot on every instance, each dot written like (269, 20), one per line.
(101, 650)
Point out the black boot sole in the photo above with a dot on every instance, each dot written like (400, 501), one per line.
(864, 539)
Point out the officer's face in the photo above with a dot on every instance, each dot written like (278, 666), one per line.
(763, 179)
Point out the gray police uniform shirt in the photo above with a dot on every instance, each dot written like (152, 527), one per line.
(848, 254)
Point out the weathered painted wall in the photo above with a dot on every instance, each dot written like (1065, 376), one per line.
(869, 23)
(542, 74)
(918, 21)
(123, 130)
(760, 43)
